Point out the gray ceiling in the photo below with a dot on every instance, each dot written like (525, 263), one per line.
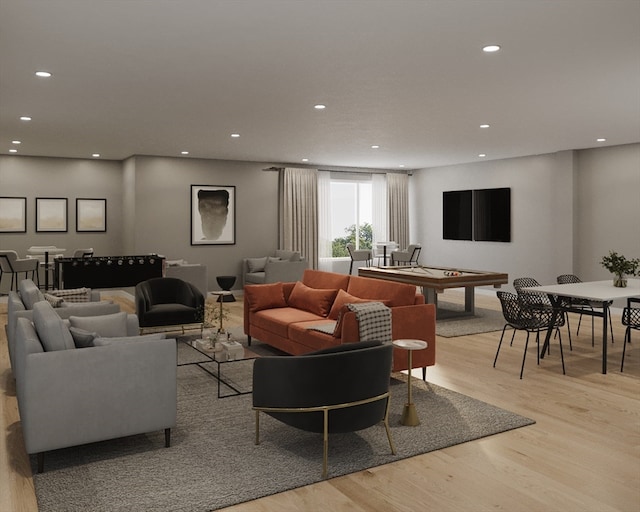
(156, 77)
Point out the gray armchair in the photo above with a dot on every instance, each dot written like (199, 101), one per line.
(70, 396)
(295, 390)
(359, 255)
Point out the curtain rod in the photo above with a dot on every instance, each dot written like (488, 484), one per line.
(354, 170)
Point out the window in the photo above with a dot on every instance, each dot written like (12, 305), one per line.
(350, 201)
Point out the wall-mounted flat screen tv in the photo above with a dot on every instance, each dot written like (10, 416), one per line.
(492, 215)
(456, 215)
(481, 215)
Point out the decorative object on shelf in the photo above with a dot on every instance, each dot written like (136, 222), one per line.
(621, 267)
(213, 215)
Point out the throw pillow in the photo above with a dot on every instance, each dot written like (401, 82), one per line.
(53, 333)
(111, 326)
(273, 258)
(344, 298)
(104, 341)
(256, 264)
(74, 294)
(313, 300)
(82, 338)
(56, 302)
(265, 296)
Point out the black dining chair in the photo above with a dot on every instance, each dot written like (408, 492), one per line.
(523, 313)
(630, 318)
(584, 304)
(541, 300)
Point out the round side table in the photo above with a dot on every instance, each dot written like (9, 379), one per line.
(226, 282)
(409, 413)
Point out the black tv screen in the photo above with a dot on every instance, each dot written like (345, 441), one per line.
(492, 215)
(456, 215)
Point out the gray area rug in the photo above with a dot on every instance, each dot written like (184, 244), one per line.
(449, 322)
(213, 461)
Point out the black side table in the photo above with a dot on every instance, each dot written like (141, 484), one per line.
(226, 282)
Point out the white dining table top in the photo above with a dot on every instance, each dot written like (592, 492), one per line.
(600, 291)
(42, 250)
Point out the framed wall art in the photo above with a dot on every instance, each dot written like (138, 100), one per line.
(13, 214)
(213, 215)
(51, 214)
(91, 215)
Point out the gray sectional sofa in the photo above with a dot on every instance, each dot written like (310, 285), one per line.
(68, 396)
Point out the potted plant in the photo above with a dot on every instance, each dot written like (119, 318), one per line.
(621, 267)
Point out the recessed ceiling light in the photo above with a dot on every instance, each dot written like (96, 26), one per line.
(319, 106)
(13, 151)
(305, 159)
(43, 74)
(235, 135)
(184, 152)
(16, 142)
(401, 165)
(484, 126)
(601, 140)
(25, 118)
(375, 146)
(490, 48)
(482, 155)
(96, 155)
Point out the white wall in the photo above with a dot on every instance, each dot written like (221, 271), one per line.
(568, 208)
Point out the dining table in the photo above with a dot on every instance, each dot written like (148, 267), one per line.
(600, 292)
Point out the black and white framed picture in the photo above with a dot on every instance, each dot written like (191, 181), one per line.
(213, 215)
(51, 214)
(13, 214)
(91, 215)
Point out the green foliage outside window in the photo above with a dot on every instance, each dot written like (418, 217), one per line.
(365, 240)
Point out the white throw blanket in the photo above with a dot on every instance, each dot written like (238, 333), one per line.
(374, 321)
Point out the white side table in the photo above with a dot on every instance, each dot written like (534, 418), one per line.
(409, 413)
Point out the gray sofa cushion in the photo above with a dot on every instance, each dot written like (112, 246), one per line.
(82, 338)
(288, 255)
(53, 334)
(107, 326)
(29, 293)
(256, 264)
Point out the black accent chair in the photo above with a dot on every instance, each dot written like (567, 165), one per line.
(168, 301)
(630, 318)
(296, 390)
(521, 313)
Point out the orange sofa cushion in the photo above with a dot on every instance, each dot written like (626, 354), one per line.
(343, 298)
(265, 296)
(320, 279)
(314, 300)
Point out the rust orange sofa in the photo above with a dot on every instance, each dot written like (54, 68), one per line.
(280, 314)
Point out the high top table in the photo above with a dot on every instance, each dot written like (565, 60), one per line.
(45, 250)
(597, 291)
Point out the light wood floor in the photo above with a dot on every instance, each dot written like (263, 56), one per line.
(583, 454)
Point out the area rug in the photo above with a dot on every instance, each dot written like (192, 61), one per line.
(451, 324)
(214, 463)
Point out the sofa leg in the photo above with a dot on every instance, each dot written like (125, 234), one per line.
(249, 341)
(167, 437)
(40, 458)
(424, 373)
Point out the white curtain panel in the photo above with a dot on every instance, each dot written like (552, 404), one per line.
(398, 206)
(299, 213)
(380, 217)
(324, 215)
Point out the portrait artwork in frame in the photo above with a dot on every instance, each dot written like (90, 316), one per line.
(51, 214)
(91, 215)
(13, 214)
(213, 215)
